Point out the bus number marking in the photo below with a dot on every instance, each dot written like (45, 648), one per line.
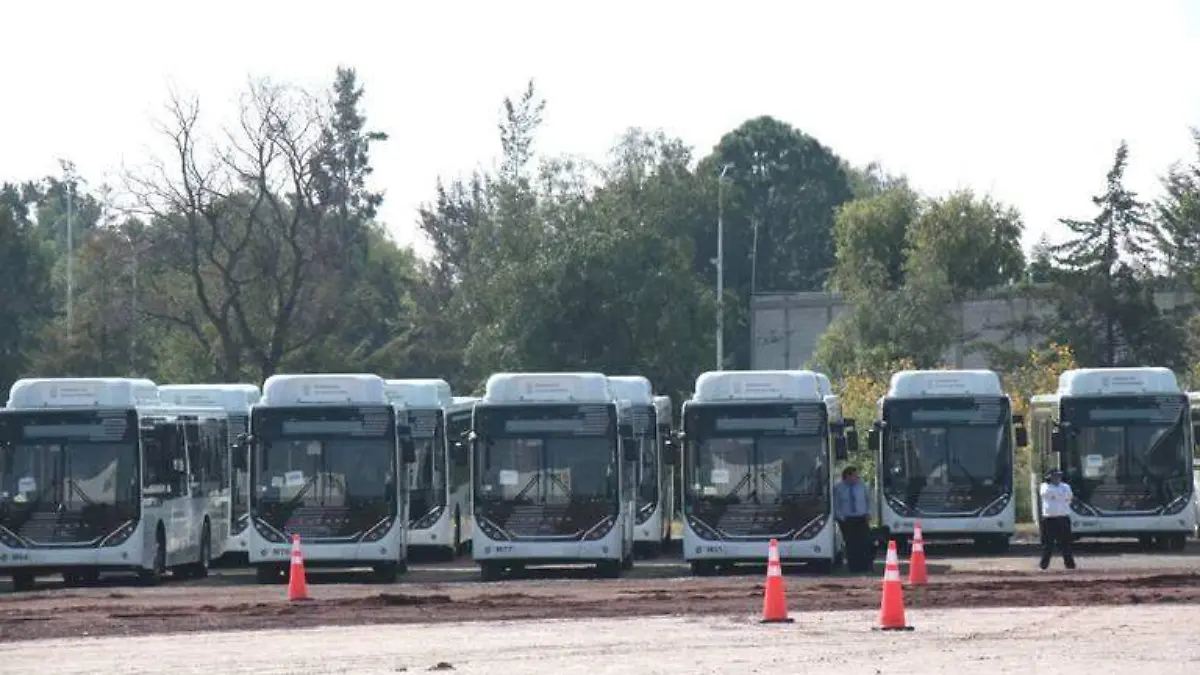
(504, 549)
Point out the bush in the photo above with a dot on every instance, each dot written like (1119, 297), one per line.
(860, 393)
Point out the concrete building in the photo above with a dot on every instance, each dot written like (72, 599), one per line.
(785, 327)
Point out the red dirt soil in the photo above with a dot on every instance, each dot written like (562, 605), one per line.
(136, 611)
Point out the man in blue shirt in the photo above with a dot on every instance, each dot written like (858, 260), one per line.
(850, 511)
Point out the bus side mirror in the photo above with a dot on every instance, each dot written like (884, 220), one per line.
(873, 438)
(1058, 442)
(629, 449)
(1018, 420)
(671, 453)
(408, 451)
(458, 453)
(839, 448)
(1022, 437)
(852, 438)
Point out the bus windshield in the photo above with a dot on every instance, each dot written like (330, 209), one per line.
(546, 470)
(948, 455)
(427, 477)
(68, 477)
(757, 469)
(1128, 453)
(324, 472)
(645, 431)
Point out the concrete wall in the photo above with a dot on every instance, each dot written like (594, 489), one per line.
(785, 327)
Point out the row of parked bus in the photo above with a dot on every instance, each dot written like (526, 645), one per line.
(121, 474)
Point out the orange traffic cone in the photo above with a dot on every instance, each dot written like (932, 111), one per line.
(891, 608)
(774, 603)
(297, 585)
(917, 574)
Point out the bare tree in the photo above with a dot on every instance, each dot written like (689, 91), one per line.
(246, 262)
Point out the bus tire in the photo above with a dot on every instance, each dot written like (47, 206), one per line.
(454, 550)
(386, 572)
(1177, 542)
(199, 569)
(490, 571)
(158, 563)
(22, 582)
(267, 574)
(610, 569)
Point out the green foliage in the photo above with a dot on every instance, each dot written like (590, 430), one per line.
(259, 250)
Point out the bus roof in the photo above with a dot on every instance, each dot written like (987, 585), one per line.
(172, 412)
(234, 398)
(418, 393)
(632, 388)
(82, 392)
(1117, 381)
(824, 385)
(324, 389)
(938, 383)
(758, 385)
(548, 388)
(662, 408)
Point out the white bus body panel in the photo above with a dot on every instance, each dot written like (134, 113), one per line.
(1120, 382)
(613, 546)
(235, 399)
(824, 546)
(332, 389)
(758, 386)
(918, 384)
(181, 518)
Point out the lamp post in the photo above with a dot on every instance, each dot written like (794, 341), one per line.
(721, 266)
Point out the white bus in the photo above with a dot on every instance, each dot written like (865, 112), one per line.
(235, 400)
(758, 450)
(1122, 438)
(668, 448)
(324, 465)
(96, 474)
(549, 484)
(439, 482)
(637, 406)
(943, 443)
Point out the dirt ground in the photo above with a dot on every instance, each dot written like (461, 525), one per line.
(134, 611)
(1155, 640)
(450, 592)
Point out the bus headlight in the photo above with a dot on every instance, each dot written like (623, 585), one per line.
(644, 513)
(10, 540)
(428, 518)
(600, 529)
(1181, 502)
(380, 530)
(813, 528)
(239, 526)
(702, 529)
(997, 506)
(489, 529)
(120, 535)
(1083, 509)
(269, 533)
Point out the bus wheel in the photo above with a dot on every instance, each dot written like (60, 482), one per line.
(158, 564)
(490, 571)
(1177, 542)
(72, 579)
(703, 569)
(199, 569)
(387, 573)
(267, 574)
(22, 581)
(610, 569)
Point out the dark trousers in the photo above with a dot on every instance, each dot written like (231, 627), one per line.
(1057, 531)
(860, 549)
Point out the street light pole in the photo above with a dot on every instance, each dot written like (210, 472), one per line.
(721, 267)
(133, 313)
(70, 259)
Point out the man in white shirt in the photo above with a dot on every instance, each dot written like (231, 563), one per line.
(1056, 519)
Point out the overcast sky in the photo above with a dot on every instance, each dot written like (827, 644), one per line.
(1026, 100)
